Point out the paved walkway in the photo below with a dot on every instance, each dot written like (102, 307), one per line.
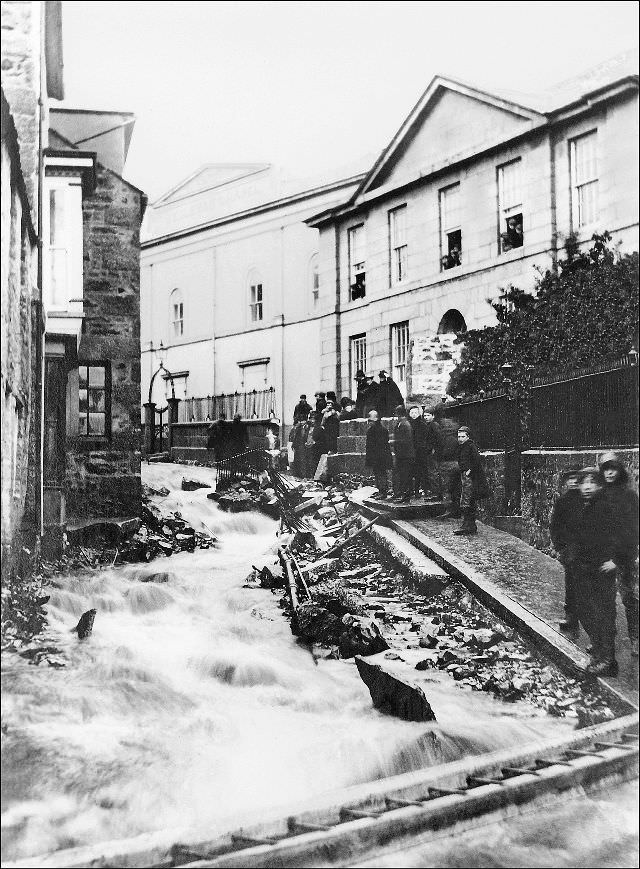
(533, 579)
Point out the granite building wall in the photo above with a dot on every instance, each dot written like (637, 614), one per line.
(103, 474)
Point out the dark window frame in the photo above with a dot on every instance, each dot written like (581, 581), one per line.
(86, 435)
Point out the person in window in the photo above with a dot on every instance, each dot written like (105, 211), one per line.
(513, 236)
(389, 396)
(348, 411)
(446, 263)
(378, 454)
(302, 410)
(405, 454)
(331, 426)
(473, 482)
(624, 506)
(454, 256)
(598, 555)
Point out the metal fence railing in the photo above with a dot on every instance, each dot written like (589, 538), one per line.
(249, 464)
(490, 418)
(590, 407)
(255, 404)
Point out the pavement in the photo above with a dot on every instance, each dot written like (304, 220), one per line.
(532, 579)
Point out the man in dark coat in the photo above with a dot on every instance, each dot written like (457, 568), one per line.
(419, 430)
(361, 388)
(448, 468)
(624, 505)
(217, 437)
(473, 482)
(378, 453)
(316, 444)
(297, 439)
(599, 551)
(389, 395)
(434, 443)
(302, 410)
(238, 436)
(565, 518)
(405, 454)
(370, 396)
(321, 402)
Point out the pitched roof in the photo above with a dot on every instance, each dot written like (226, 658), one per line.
(535, 107)
(208, 177)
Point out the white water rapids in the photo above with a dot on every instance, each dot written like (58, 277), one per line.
(192, 706)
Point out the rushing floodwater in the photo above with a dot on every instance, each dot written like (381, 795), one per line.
(191, 705)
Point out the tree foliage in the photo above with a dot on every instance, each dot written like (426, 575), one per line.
(583, 311)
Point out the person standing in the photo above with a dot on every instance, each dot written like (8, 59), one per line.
(348, 409)
(448, 469)
(419, 431)
(302, 410)
(321, 402)
(331, 425)
(388, 395)
(405, 454)
(361, 388)
(217, 437)
(378, 454)
(598, 555)
(238, 436)
(473, 483)
(316, 444)
(297, 439)
(563, 526)
(370, 396)
(624, 505)
(433, 450)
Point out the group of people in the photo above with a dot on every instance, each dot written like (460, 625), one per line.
(593, 528)
(435, 457)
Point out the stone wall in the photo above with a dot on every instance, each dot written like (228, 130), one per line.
(17, 346)
(103, 478)
(21, 25)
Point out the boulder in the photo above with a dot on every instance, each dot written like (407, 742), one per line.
(337, 599)
(393, 695)
(316, 624)
(192, 485)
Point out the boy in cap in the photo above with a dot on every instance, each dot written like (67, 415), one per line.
(598, 553)
(565, 517)
(472, 481)
(624, 504)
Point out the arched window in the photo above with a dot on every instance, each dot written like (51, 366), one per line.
(177, 313)
(314, 280)
(453, 321)
(256, 299)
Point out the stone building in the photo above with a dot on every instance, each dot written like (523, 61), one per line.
(91, 461)
(31, 75)
(70, 298)
(230, 277)
(474, 191)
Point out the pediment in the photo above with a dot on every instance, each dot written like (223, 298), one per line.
(449, 122)
(211, 176)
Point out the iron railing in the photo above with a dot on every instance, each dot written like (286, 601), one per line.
(255, 404)
(489, 416)
(249, 464)
(589, 407)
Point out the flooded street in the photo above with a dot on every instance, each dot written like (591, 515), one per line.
(192, 706)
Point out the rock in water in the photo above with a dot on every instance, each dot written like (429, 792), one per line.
(85, 625)
(390, 694)
(360, 636)
(192, 485)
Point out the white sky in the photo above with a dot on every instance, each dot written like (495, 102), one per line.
(308, 85)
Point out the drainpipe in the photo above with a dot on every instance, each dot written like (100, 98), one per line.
(552, 196)
(338, 385)
(40, 337)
